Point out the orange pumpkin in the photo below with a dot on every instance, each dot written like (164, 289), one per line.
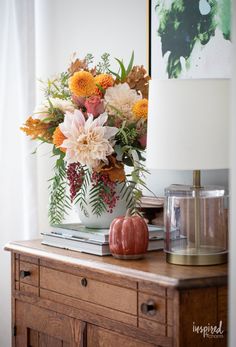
(128, 237)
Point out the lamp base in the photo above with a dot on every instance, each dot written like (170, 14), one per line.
(181, 258)
(196, 225)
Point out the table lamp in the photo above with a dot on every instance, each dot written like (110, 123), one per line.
(188, 123)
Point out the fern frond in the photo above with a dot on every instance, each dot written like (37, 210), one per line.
(96, 200)
(80, 197)
(59, 203)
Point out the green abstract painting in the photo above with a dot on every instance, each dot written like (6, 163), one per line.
(190, 38)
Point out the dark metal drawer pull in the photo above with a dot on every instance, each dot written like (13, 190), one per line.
(149, 308)
(24, 273)
(84, 282)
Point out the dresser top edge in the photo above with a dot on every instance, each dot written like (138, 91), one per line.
(153, 268)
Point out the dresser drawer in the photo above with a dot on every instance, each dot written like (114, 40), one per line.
(29, 273)
(152, 307)
(152, 327)
(101, 293)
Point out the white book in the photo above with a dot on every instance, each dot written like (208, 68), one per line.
(79, 231)
(155, 232)
(92, 247)
(151, 201)
(155, 245)
(75, 244)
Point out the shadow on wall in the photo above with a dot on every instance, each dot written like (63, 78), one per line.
(158, 180)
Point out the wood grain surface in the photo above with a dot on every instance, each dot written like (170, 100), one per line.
(153, 267)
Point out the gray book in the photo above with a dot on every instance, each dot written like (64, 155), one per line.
(76, 244)
(92, 247)
(79, 231)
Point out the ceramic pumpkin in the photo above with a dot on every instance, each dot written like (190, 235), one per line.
(128, 237)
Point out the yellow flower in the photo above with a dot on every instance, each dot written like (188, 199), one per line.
(82, 83)
(58, 138)
(140, 109)
(103, 80)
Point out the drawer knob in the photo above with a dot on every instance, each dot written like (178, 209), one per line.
(84, 282)
(149, 308)
(24, 273)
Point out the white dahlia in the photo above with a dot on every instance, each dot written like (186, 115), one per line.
(122, 98)
(42, 111)
(87, 141)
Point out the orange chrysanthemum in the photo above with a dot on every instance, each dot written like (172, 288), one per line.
(140, 109)
(82, 83)
(114, 169)
(58, 138)
(36, 128)
(103, 80)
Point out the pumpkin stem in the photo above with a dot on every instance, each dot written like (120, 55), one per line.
(128, 214)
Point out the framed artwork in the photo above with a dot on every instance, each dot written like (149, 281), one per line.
(189, 38)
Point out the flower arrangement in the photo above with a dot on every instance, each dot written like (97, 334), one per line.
(96, 121)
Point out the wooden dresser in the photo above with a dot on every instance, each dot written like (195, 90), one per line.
(65, 298)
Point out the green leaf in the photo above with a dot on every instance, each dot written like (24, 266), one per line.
(115, 74)
(89, 58)
(123, 71)
(118, 113)
(104, 64)
(100, 88)
(127, 161)
(130, 64)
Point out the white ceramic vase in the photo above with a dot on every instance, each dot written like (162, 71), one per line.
(91, 220)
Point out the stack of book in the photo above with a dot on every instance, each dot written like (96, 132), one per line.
(152, 201)
(77, 237)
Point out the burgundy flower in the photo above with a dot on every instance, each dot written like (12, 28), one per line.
(143, 141)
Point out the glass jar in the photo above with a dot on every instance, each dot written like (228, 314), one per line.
(196, 225)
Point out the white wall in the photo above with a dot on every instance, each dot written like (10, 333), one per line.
(159, 179)
(96, 26)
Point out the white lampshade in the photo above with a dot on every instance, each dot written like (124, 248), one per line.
(188, 124)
